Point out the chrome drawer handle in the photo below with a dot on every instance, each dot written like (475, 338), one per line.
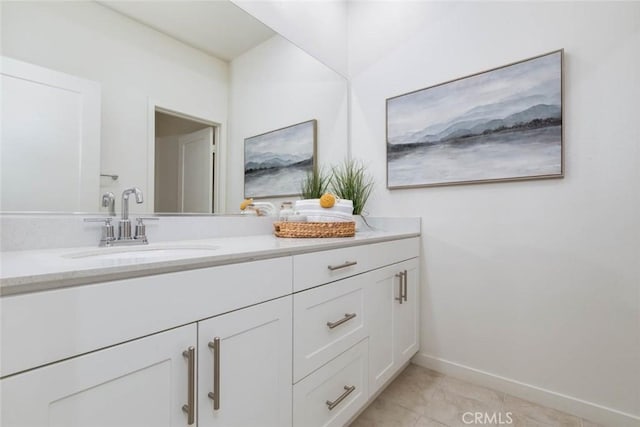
(345, 265)
(215, 395)
(190, 407)
(346, 318)
(348, 391)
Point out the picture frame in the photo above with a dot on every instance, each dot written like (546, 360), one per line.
(502, 124)
(276, 162)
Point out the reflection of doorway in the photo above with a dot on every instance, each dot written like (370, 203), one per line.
(184, 164)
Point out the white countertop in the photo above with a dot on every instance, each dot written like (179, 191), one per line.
(46, 269)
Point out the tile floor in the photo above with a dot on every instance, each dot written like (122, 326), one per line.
(420, 397)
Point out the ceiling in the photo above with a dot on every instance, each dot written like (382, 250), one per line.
(217, 27)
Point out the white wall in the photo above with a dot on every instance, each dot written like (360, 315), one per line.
(133, 63)
(317, 26)
(534, 286)
(275, 85)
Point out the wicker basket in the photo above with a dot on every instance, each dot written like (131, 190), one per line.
(314, 229)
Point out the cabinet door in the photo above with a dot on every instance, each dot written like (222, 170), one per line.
(383, 289)
(393, 328)
(407, 314)
(247, 354)
(139, 383)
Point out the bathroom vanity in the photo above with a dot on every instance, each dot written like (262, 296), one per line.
(243, 331)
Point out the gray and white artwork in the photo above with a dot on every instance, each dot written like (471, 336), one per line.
(502, 124)
(275, 163)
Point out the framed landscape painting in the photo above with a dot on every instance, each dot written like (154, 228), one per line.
(276, 162)
(504, 124)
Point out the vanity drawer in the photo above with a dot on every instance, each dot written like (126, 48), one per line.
(327, 321)
(317, 268)
(334, 393)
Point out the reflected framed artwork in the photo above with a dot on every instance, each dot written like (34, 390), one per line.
(503, 124)
(276, 162)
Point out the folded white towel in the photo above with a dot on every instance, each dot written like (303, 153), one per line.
(317, 216)
(341, 211)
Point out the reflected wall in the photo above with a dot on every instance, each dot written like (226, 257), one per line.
(134, 65)
(276, 85)
(138, 68)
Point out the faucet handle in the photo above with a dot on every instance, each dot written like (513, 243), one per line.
(141, 229)
(108, 234)
(106, 220)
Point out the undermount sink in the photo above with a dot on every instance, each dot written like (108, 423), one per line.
(146, 252)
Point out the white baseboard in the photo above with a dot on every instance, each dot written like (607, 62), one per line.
(591, 411)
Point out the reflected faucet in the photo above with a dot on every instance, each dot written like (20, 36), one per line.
(109, 201)
(124, 229)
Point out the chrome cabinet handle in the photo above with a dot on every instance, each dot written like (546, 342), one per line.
(348, 391)
(346, 318)
(404, 293)
(190, 407)
(400, 287)
(215, 394)
(345, 265)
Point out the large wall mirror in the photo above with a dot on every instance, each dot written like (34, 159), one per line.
(102, 96)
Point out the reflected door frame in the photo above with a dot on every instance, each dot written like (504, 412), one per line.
(219, 170)
(203, 141)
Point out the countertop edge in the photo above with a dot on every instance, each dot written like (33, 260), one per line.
(61, 280)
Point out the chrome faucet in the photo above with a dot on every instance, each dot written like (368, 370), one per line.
(124, 229)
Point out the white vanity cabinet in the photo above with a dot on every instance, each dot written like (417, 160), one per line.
(355, 325)
(144, 382)
(44, 327)
(119, 355)
(303, 340)
(393, 330)
(166, 379)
